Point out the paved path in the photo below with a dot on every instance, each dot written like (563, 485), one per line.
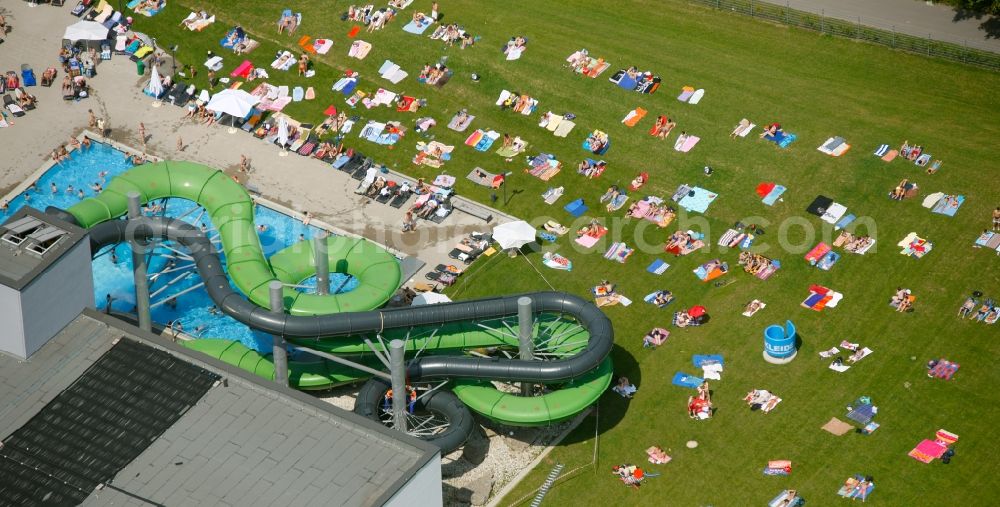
(907, 16)
(296, 182)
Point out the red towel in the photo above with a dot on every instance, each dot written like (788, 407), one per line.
(354, 32)
(818, 289)
(330, 111)
(764, 188)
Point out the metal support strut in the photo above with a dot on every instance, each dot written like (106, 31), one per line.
(280, 354)
(139, 266)
(397, 368)
(322, 264)
(525, 346)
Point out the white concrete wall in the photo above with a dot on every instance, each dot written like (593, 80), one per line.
(423, 489)
(11, 330)
(57, 296)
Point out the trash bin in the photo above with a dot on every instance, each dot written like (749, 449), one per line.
(140, 67)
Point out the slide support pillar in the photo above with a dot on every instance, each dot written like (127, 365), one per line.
(397, 368)
(322, 264)
(279, 352)
(525, 344)
(139, 267)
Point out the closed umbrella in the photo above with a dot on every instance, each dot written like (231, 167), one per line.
(155, 87)
(282, 135)
(430, 298)
(514, 234)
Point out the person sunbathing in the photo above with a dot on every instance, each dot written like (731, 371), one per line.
(663, 298)
(789, 498)
(758, 397)
(639, 180)
(683, 319)
(664, 125)
(771, 130)
(698, 405)
(967, 307)
(654, 336)
(752, 307)
(625, 388)
(428, 209)
(678, 239)
(983, 311)
(899, 192)
(591, 229)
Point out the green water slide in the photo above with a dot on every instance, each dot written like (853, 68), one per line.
(230, 209)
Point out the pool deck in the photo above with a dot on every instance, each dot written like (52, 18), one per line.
(117, 96)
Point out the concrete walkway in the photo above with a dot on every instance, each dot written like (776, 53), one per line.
(912, 17)
(299, 183)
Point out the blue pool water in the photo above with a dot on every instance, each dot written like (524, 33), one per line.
(170, 273)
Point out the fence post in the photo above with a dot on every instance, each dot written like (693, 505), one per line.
(894, 36)
(787, 6)
(751, 8)
(859, 28)
(822, 21)
(965, 54)
(928, 44)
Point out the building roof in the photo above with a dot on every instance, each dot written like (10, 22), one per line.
(29, 242)
(245, 441)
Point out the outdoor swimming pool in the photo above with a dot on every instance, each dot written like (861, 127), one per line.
(175, 292)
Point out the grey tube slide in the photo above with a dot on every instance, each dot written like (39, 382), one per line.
(325, 326)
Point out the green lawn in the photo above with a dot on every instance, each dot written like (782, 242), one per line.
(816, 87)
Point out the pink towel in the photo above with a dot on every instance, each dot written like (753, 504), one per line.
(587, 240)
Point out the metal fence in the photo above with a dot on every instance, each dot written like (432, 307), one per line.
(859, 31)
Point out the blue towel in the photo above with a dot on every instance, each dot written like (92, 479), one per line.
(349, 88)
(340, 161)
(700, 359)
(943, 208)
(627, 82)
(844, 222)
(682, 379)
(699, 201)
(547, 236)
(576, 208)
(882, 150)
(416, 28)
(658, 267)
(773, 195)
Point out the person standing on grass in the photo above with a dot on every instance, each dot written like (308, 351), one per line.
(434, 11)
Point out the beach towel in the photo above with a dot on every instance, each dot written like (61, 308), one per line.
(556, 261)
(617, 202)
(697, 199)
(700, 360)
(703, 273)
(553, 194)
(618, 252)
(696, 96)
(658, 267)
(781, 138)
(814, 255)
(682, 379)
(359, 49)
(890, 155)
(948, 205)
(588, 240)
(686, 93)
(685, 143)
(834, 146)
(827, 261)
(564, 128)
(417, 27)
(322, 46)
(928, 451)
(922, 160)
(485, 178)
(514, 52)
(849, 490)
(845, 221)
(773, 195)
(298, 94)
(837, 427)
(944, 369)
(634, 116)
(834, 213)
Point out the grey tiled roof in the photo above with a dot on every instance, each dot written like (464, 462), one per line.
(244, 443)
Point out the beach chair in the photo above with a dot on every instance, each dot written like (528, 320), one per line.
(27, 75)
(9, 104)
